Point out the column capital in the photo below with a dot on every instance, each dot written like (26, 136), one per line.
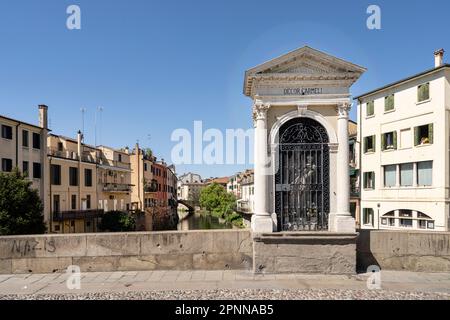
(260, 110)
(343, 109)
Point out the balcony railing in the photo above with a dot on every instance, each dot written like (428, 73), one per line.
(114, 163)
(66, 154)
(355, 192)
(77, 214)
(116, 187)
(244, 206)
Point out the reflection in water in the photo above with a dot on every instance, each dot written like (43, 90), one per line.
(200, 220)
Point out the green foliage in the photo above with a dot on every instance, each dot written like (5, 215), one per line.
(220, 204)
(117, 221)
(217, 200)
(20, 206)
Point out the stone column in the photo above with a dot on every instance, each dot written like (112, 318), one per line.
(341, 220)
(261, 220)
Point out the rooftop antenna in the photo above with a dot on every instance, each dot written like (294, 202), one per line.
(99, 110)
(83, 111)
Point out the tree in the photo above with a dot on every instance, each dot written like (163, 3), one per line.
(21, 209)
(117, 221)
(217, 200)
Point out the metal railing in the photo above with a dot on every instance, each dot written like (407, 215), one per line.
(116, 187)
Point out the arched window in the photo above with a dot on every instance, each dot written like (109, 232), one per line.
(406, 218)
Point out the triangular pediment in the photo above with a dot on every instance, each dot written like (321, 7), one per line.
(305, 62)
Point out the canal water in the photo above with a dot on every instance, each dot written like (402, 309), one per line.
(200, 220)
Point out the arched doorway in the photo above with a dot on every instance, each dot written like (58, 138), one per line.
(302, 182)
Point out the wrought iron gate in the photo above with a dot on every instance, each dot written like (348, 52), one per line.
(302, 182)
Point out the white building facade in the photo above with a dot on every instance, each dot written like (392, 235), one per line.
(404, 134)
(301, 102)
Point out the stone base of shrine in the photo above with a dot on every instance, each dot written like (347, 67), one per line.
(304, 252)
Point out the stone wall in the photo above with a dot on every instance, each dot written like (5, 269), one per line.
(305, 252)
(174, 250)
(404, 250)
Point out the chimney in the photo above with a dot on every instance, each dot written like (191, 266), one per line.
(79, 140)
(439, 58)
(43, 117)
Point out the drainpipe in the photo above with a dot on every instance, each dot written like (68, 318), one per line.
(358, 134)
(79, 139)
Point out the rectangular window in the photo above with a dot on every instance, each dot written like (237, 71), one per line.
(37, 170)
(25, 168)
(422, 224)
(423, 135)
(368, 216)
(73, 176)
(389, 141)
(60, 146)
(25, 138)
(73, 202)
(369, 144)
(88, 177)
(423, 92)
(405, 139)
(145, 167)
(55, 174)
(6, 132)
(36, 140)
(370, 108)
(369, 180)
(390, 176)
(120, 158)
(425, 173)
(406, 174)
(389, 104)
(88, 201)
(391, 222)
(406, 223)
(6, 165)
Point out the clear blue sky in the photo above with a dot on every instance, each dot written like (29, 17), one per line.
(155, 66)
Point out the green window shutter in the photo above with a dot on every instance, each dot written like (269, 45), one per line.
(395, 140)
(365, 144)
(389, 103)
(374, 143)
(370, 108)
(416, 136)
(430, 133)
(383, 142)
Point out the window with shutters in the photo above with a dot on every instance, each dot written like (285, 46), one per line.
(36, 140)
(25, 168)
(55, 174)
(368, 216)
(369, 144)
(6, 165)
(73, 176)
(423, 135)
(37, 171)
(370, 108)
(389, 103)
(389, 141)
(369, 180)
(7, 132)
(423, 92)
(25, 138)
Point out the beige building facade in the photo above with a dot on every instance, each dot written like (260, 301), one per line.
(24, 146)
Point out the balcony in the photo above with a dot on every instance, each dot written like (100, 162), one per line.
(116, 187)
(354, 192)
(114, 163)
(77, 214)
(66, 154)
(244, 206)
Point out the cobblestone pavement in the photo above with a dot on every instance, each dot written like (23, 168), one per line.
(224, 285)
